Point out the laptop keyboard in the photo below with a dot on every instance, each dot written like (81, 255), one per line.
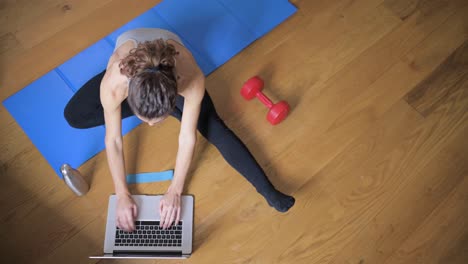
(149, 234)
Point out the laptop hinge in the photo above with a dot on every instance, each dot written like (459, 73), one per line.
(122, 253)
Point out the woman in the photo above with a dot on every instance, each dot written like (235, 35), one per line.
(152, 75)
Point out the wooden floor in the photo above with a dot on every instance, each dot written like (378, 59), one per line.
(375, 150)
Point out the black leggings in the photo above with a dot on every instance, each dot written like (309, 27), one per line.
(85, 110)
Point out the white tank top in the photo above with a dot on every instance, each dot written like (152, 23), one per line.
(140, 35)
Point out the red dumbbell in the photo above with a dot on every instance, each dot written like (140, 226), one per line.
(253, 88)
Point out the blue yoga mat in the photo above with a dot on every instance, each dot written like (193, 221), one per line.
(213, 30)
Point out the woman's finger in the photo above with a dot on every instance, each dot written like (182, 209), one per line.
(178, 216)
(135, 211)
(129, 217)
(168, 216)
(173, 216)
(163, 216)
(123, 224)
(124, 221)
(118, 224)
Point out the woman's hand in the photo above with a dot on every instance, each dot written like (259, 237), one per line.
(127, 211)
(169, 209)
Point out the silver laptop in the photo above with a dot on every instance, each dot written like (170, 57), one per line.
(148, 240)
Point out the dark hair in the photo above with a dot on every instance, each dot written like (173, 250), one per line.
(152, 90)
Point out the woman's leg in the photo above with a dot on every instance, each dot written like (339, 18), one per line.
(235, 153)
(84, 110)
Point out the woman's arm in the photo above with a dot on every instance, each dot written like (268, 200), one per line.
(114, 149)
(111, 100)
(188, 134)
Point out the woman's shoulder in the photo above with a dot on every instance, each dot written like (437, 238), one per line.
(195, 90)
(114, 86)
(121, 52)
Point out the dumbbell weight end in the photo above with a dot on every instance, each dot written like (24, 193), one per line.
(278, 112)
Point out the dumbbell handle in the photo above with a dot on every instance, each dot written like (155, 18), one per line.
(264, 99)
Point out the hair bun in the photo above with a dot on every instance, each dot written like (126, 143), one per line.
(148, 54)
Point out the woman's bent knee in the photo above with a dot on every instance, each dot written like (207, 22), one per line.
(73, 118)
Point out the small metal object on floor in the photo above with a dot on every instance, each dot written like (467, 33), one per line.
(74, 180)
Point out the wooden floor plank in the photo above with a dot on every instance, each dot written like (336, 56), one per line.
(442, 238)
(8, 42)
(22, 13)
(79, 247)
(407, 8)
(55, 19)
(446, 79)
